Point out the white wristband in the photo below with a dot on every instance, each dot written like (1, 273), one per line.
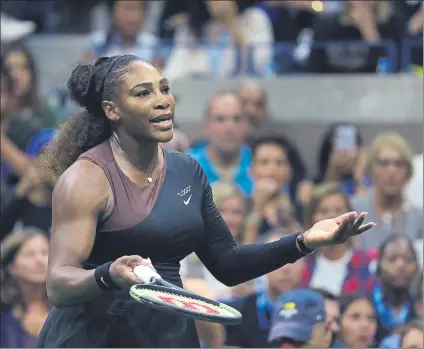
(146, 274)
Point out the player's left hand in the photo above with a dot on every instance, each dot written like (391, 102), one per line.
(337, 230)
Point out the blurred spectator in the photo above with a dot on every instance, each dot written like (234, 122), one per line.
(23, 287)
(13, 29)
(332, 310)
(126, 34)
(23, 68)
(224, 156)
(15, 133)
(389, 163)
(412, 335)
(418, 297)
(31, 205)
(358, 30)
(339, 269)
(397, 268)
(215, 40)
(255, 105)
(258, 308)
(358, 322)
(270, 204)
(415, 12)
(300, 321)
(340, 158)
(254, 100)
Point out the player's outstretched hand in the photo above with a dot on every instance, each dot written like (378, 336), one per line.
(336, 231)
(122, 270)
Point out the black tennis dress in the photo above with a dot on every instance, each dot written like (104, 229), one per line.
(165, 221)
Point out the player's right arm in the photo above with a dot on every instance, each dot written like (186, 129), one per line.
(81, 197)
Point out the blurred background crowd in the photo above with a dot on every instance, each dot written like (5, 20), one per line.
(247, 75)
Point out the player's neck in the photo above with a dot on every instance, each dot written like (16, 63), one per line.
(140, 152)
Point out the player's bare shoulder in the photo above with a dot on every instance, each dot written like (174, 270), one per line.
(83, 186)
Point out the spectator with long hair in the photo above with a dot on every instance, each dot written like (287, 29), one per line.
(389, 164)
(358, 322)
(31, 107)
(339, 269)
(23, 287)
(396, 270)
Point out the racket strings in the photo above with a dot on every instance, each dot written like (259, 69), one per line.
(189, 302)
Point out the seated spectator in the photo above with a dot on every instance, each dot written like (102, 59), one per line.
(211, 37)
(30, 106)
(358, 322)
(31, 205)
(339, 269)
(300, 321)
(391, 296)
(270, 205)
(23, 287)
(258, 308)
(389, 163)
(332, 310)
(254, 101)
(255, 105)
(355, 33)
(125, 35)
(225, 157)
(340, 158)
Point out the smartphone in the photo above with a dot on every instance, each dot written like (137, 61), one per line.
(345, 138)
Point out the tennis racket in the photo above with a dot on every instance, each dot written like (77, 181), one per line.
(162, 295)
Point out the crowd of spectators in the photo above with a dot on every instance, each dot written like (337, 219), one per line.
(364, 293)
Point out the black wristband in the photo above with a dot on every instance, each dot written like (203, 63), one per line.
(103, 279)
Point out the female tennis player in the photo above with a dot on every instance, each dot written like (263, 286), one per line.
(121, 201)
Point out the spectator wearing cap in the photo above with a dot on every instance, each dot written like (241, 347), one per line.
(357, 326)
(338, 269)
(258, 308)
(300, 321)
(389, 163)
(225, 157)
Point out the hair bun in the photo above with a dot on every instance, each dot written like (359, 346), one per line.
(79, 83)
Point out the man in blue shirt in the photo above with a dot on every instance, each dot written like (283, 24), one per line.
(224, 156)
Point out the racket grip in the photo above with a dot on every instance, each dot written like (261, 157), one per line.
(146, 274)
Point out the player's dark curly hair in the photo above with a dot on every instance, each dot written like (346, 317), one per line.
(89, 86)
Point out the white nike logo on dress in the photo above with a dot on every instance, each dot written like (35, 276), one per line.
(188, 200)
(104, 282)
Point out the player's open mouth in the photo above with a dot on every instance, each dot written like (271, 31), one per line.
(162, 119)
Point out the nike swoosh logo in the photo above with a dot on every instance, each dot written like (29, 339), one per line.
(188, 200)
(104, 282)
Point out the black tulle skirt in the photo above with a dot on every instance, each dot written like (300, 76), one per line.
(114, 320)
